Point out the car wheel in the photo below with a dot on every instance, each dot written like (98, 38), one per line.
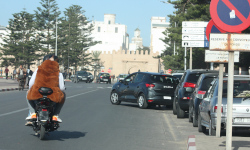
(212, 131)
(190, 113)
(142, 101)
(174, 107)
(180, 112)
(200, 127)
(107, 82)
(114, 99)
(195, 121)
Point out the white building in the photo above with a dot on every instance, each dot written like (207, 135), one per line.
(158, 25)
(113, 36)
(136, 41)
(3, 33)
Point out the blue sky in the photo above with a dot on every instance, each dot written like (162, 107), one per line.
(133, 13)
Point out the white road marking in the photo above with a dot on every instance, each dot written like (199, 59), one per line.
(16, 111)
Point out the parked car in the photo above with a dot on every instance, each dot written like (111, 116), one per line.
(145, 88)
(200, 90)
(184, 90)
(121, 77)
(82, 76)
(177, 75)
(103, 77)
(207, 117)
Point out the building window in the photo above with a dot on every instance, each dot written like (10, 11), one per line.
(109, 21)
(116, 29)
(99, 29)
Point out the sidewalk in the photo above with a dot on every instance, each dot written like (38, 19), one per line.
(8, 85)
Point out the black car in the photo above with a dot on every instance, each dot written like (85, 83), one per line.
(184, 90)
(103, 77)
(145, 88)
(196, 97)
(83, 76)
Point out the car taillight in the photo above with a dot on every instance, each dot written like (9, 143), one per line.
(215, 109)
(150, 100)
(150, 85)
(200, 94)
(44, 109)
(188, 84)
(100, 76)
(186, 98)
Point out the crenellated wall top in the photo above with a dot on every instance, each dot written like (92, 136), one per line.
(131, 53)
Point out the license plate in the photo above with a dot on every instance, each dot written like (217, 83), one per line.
(237, 120)
(166, 97)
(105, 79)
(84, 78)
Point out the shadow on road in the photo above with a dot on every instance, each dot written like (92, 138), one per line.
(62, 135)
(237, 144)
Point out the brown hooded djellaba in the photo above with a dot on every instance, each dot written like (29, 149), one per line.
(47, 76)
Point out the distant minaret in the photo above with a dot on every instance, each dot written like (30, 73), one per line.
(136, 40)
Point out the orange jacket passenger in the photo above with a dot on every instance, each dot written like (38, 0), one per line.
(47, 76)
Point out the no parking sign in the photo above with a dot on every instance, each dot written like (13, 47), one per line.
(212, 28)
(231, 15)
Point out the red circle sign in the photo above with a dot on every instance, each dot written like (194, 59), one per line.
(231, 16)
(213, 28)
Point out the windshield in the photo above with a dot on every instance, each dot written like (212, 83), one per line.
(241, 88)
(123, 75)
(162, 79)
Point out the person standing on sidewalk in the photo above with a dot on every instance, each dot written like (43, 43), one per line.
(21, 72)
(6, 72)
(14, 74)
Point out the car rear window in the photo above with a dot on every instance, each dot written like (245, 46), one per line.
(81, 73)
(105, 74)
(193, 78)
(162, 79)
(206, 84)
(178, 76)
(241, 88)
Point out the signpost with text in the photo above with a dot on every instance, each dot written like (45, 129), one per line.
(230, 16)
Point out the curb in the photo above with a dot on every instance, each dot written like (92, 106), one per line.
(191, 142)
(10, 89)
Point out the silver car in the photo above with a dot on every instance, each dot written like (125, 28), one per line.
(121, 77)
(207, 117)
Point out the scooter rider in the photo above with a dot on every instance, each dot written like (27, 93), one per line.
(49, 67)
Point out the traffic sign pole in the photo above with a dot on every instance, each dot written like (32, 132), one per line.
(185, 59)
(191, 59)
(218, 125)
(230, 100)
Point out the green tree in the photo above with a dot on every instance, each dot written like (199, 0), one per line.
(20, 45)
(186, 10)
(77, 37)
(45, 18)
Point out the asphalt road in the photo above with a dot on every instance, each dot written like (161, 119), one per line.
(91, 122)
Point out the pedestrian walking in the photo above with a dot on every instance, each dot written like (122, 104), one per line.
(6, 72)
(1, 71)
